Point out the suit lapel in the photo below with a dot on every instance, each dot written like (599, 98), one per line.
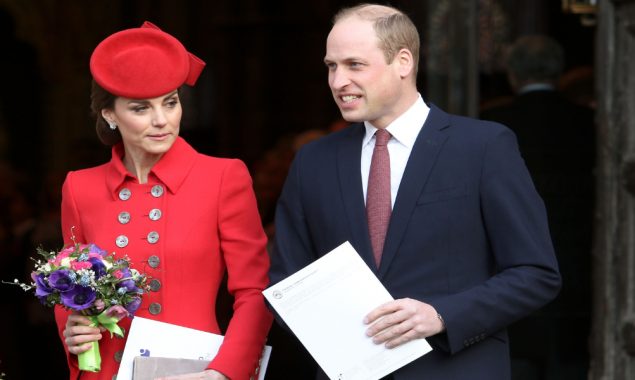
(348, 164)
(420, 163)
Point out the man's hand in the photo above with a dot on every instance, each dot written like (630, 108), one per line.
(400, 321)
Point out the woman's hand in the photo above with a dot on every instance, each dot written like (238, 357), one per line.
(78, 334)
(209, 374)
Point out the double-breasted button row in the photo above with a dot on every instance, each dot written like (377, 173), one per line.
(124, 217)
(154, 215)
(156, 191)
(122, 240)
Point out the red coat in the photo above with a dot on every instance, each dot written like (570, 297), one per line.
(202, 213)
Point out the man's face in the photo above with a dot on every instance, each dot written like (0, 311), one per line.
(364, 86)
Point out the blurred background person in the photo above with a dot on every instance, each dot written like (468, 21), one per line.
(557, 141)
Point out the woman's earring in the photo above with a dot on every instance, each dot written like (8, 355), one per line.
(112, 125)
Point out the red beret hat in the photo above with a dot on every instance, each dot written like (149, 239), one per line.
(142, 63)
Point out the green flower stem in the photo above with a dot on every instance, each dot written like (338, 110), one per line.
(91, 359)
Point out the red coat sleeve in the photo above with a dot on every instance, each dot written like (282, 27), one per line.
(243, 245)
(70, 227)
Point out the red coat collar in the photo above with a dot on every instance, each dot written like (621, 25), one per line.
(171, 169)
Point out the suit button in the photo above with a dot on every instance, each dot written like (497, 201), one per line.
(155, 308)
(124, 217)
(118, 356)
(154, 261)
(155, 214)
(155, 285)
(153, 237)
(157, 191)
(124, 194)
(466, 343)
(121, 241)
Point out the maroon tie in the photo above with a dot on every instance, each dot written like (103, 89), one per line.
(378, 205)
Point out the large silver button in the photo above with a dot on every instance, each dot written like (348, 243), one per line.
(154, 261)
(155, 308)
(118, 356)
(124, 217)
(157, 191)
(124, 194)
(155, 285)
(153, 237)
(155, 214)
(121, 241)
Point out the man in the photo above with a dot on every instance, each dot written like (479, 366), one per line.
(557, 141)
(467, 249)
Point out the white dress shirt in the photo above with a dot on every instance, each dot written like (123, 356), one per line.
(404, 131)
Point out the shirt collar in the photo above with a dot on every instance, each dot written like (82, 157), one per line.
(171, 169)
(406, 127)
(537, 87)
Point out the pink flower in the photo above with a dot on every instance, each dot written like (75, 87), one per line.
(78, 265)
(118, 274)
(99, 305)
(117, 311)
(62, 255)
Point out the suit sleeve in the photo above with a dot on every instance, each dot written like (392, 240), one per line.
(71, 226)
(526, 272)
(243, 244)
(293, 248)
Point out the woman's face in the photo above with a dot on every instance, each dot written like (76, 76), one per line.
(147, 126)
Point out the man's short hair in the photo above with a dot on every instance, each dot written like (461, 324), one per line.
(535, 58)
(394, 29)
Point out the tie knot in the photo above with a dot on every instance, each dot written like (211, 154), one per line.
(381, 137)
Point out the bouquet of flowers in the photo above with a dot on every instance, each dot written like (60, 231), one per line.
(85, 278)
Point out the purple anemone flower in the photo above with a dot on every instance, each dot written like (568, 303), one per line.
(42, 288)
(61, 280)
(129, 285)
(92, 248)
(79, 298)
(98, 267)
(133, 305)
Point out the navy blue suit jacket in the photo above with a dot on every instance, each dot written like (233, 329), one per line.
(468, 234)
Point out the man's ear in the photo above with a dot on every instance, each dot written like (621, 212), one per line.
(405, 62)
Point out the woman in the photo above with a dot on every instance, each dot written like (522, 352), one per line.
(182, 218)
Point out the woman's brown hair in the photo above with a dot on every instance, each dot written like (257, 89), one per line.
(101, 99)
